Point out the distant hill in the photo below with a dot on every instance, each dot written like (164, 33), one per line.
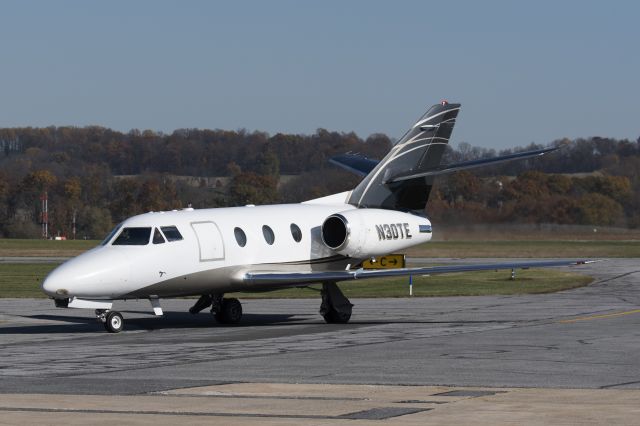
(101, 176)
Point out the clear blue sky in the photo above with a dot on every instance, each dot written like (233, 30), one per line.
(524, 71)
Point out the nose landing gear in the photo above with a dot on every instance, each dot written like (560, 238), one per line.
(112, 320)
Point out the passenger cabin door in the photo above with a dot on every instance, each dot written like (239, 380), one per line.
(209, 241)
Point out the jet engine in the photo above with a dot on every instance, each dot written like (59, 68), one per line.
(362, 233)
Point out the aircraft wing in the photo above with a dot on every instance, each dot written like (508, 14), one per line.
(295, 278)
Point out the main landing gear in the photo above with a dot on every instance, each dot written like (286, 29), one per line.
(112, 320)
(225, 311)
(335, 307)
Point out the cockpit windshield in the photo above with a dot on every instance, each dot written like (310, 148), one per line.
(133, 237)
(113, 232)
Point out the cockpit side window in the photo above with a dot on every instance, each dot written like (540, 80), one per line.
(172, 233)
(113, 232)
(157, 237)
(133, 237)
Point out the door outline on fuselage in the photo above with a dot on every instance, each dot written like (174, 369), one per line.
(208, 234)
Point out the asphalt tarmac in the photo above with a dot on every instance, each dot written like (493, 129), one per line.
(586, 339)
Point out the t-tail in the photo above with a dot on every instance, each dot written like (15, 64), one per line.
(402, 180)
(419, 150)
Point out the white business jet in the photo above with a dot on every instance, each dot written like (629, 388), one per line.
(211, 252)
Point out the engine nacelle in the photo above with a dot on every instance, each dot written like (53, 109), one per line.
(363, 233)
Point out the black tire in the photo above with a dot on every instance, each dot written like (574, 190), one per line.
(114, 323)
(230, 312)
(335, 317)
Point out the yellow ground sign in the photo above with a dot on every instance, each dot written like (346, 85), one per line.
(390, 261)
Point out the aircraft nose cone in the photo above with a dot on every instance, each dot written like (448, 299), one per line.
(96, 273)
(54, 284)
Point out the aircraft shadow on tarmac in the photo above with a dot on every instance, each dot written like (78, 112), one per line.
(182, 320)
(171, 320)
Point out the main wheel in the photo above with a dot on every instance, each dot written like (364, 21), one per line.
(114, 323)
(230, 312)
(335, 317)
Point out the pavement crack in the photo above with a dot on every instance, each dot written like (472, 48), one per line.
(615, 385)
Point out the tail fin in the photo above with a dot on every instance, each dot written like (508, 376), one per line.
(420, 149)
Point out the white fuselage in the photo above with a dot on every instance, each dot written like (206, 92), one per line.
(210, 259)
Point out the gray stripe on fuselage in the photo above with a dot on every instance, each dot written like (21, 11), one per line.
(218, 280)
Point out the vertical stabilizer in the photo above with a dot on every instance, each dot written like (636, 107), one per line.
(420, 149)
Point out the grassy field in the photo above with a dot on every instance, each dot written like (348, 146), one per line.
(531, 281)
(517, 247)
(544, 248)
(47, 248)
(23, 280)
(533, 232)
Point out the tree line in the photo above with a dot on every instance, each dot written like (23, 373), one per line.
(100, 176)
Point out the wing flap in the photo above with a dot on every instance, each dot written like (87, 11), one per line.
(309, 277)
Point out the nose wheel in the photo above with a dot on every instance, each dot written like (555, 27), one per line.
(112, 320)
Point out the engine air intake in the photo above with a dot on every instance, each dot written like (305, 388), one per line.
(335, 231)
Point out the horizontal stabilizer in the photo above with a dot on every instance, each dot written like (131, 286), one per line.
(450, 168)
(283, 279)
(354, 163)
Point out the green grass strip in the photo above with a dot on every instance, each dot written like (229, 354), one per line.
(24, 280)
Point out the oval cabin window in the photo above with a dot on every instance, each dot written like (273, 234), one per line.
(296, 233)
(269, 237)
(241, 237)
